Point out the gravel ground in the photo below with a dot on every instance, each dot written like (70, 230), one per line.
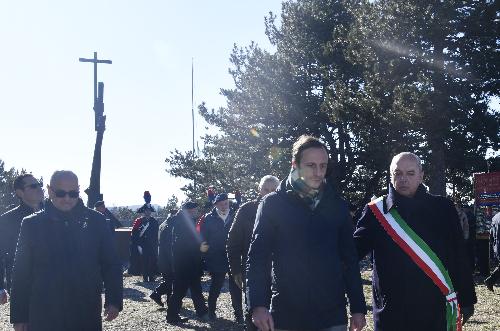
(140, 314)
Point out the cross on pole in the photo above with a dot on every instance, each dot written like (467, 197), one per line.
(95, 61)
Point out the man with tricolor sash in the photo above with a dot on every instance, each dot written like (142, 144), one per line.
(421, 276)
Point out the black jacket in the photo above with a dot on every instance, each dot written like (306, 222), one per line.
(403, 294)
(62, 260)
(314, 261)
(165, 246)
(214, 231)
(10, 223)
(240, 235)
(186, 243)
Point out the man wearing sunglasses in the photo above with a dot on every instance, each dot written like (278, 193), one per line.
(64, 256)
(30, 194)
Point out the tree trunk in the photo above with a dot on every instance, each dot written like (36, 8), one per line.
(436, 170)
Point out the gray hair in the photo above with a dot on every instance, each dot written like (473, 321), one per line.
(59, 174)
(405, 155)
(268, 179)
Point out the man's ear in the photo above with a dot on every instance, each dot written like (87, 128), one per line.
(19, 193)
(294, 164)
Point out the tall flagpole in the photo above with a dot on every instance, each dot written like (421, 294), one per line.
(192, 97)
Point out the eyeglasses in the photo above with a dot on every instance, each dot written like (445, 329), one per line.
(61, 193)
(34, 186)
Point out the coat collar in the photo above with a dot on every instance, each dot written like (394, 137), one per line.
(391, 200)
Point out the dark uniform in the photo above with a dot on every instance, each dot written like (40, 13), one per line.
(186, 258)
(164, 261)
(145, 235)
(62, 261)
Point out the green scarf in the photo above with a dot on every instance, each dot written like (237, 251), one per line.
(297, 184)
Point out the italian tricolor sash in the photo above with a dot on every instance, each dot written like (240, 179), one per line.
(423, 256)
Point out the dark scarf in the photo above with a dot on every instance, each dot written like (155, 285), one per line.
(297, 185)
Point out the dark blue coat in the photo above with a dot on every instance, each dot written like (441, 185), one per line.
(215, 231)
(186, 243)
(61, 263)
(165, 246)
(10, 223)
(314, 261)
(404, 297)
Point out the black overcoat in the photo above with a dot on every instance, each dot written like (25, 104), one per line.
(214, 231)
(404, 297)
(314, 261)
(61, 263)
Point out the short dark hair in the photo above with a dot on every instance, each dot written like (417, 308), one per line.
(19, 181)
(304, 142)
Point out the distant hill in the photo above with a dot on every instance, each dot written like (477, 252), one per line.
(135, 207)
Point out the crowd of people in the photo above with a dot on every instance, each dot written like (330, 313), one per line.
(291, 256)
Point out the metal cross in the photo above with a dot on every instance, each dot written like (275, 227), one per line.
(95, 61)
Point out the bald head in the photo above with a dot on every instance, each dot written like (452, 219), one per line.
(268, 184)
(408, 156)
(59, 175)
(63, 190)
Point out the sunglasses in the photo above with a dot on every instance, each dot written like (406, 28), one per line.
(62, 194)
(34, 185)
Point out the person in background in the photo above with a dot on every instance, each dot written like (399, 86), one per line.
(186, 263)
(30, 194)
(144, 240)
(214, 231)
(114, 223)
(240, 235)
(495, 251)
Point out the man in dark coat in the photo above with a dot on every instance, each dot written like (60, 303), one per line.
(186, 258)
(240, 235)
(214, 231)
(403, 230)
(144, 242)
(63, 256)
(164, 262)
(30, 194)
(305, 229)
(495, 250)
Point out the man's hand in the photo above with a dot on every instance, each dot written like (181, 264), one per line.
(262, 319)
(467, 313)
(238, 279)
(110, 313)
(3, 297)
(204, 247)
(357, 322)
(21, 327)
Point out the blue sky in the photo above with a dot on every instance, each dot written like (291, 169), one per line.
(47, 122)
